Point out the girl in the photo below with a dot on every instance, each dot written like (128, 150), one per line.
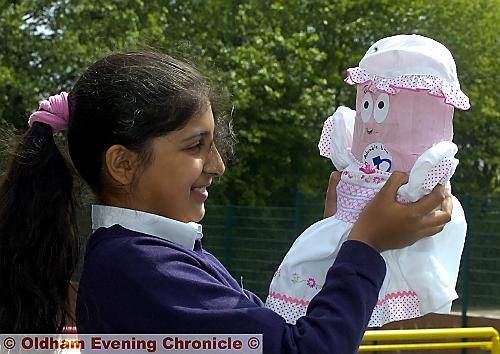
(141, 133)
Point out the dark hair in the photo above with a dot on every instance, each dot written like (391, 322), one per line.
(38, 241)
(123, 98)
(129, 98)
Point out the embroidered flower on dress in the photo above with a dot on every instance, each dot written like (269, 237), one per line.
(311, 282)
(367, 169)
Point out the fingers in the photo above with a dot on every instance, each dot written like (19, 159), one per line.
(431, 231)
(436, 218)
(434, 222)
(430, 202)
(331, 195)
(396, 180)
(447, 204)
(334, 180)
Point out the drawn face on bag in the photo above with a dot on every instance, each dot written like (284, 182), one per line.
(392, 131)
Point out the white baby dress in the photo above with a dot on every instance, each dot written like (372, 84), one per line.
(420, 279)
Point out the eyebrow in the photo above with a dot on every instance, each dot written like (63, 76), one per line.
(196, 134)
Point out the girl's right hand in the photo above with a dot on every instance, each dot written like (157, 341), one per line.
(386, 224)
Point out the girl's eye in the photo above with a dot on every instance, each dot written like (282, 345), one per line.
(381, 108)
(366, 107)
(196, 147)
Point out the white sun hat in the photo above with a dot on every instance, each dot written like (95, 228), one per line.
(410, 62)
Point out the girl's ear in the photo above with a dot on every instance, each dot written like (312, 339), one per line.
(121, 164)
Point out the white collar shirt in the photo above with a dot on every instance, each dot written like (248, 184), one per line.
(181, 233)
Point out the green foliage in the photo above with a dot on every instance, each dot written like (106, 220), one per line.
(283, 62)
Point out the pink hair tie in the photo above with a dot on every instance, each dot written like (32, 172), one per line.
(54, 112)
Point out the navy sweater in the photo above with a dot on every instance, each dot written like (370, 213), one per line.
(138, 283)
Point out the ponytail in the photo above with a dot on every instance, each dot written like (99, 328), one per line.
(38, 236)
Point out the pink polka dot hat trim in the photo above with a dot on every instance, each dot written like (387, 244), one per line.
(433, 85)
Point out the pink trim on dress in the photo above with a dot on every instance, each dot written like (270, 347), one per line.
(397, 306)
(396, 295)
(289, 299)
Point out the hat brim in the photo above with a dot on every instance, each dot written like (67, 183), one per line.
(433, 85)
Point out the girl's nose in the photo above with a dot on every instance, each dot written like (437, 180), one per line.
(214, 164)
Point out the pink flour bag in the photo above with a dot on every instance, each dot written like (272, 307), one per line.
(407, 90)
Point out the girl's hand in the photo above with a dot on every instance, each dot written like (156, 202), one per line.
(386, 224)
(331, 195)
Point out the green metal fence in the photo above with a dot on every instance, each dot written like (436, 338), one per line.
(479, 278)
(252, 241)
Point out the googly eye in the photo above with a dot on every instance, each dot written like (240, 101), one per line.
(381, 108)
(366, 107)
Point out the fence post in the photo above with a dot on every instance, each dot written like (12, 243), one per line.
(298, 212)
(465, 262)
(228, 237)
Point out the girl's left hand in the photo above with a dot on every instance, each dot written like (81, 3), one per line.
(331, 195)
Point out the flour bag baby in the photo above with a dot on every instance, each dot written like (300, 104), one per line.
(407, 89)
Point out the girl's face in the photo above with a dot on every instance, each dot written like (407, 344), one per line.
(175, 183)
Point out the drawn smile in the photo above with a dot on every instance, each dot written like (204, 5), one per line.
(369, 131)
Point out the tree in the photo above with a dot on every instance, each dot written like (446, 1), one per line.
(282, 62)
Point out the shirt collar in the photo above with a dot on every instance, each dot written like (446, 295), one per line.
(184, 234)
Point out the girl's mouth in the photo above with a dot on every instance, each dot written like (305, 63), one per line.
(200, 193)
(369, 131)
